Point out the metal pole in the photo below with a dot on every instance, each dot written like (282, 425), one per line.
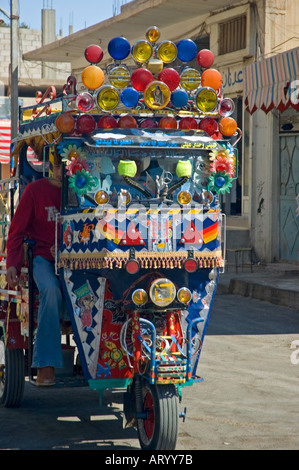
(14, 75)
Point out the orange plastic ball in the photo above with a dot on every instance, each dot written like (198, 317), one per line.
(65, 123)
(92, 77)
(227, 126)
(127, 122)
(168, 122)
(211, 78)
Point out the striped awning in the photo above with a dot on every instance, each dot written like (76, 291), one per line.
(5, 143)
(273, 83)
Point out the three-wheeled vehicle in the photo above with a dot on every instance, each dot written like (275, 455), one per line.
(147, 155)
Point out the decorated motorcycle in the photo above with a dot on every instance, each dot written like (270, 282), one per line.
(148, 150)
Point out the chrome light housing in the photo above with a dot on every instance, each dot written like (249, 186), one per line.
(162, 292)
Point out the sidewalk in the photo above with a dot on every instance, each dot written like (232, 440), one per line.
(277, 283)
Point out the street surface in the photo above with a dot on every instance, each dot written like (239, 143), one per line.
(248, 399)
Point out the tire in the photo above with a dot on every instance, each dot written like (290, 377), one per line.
(12, 376)
(159, 430)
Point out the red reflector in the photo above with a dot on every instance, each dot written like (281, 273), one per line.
(132, 266)
(190, 265)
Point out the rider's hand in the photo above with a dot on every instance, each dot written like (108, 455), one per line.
(12, 276)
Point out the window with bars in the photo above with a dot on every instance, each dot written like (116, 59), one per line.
(232, 35)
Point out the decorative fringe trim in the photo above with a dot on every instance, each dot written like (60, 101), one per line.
(148, 260)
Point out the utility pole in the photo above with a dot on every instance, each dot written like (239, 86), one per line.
(14, 73)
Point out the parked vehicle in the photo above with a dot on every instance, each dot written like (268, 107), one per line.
(140, 238)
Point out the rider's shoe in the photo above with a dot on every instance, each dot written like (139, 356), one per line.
(45, 377)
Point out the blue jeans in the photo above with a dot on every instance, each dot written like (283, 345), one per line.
(47, 346)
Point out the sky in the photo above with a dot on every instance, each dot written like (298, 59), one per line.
(79, 13)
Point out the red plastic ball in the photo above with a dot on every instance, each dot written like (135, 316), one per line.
(205, 58)
(140, 78)
(170, 77)
(188, 123)
(85, 124)
(168, 122)
(107, 122)
(209, 125)
(127, 122)
(148, 124)
(93, 54)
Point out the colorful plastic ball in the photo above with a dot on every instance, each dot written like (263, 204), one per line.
(127, 122)
(190, 79)
(107, 98)
(211, 78)
(129, 97)
(187, 50)
(119, 48)
(84, 102)
(168, 122)
(209, 125)
(142, 51)
(119, 76)
(179, 98)
(227, 126)
(94, 54)
(140, 78)
(65, 123)
(205, 58)
(92, 77)
(167, 51)
(107, 122)
(148, 123)
(171, 77)
(152, 34)
(85, 124)
(188, 123)
(206, 99)
(226, 107)
(156, 95)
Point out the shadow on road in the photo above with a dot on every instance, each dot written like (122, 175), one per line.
(236, 315)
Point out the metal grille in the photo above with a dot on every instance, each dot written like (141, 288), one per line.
(232, 35)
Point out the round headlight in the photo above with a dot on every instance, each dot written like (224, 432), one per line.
(139, 297)
(184, 295)
(162, 292)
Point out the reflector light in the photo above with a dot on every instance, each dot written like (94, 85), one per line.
(132, 266)
(152, 34)
(142, 51)
(184, 295)
(107, 98)
(191, 265)
(139, 297)
(119, 76)
(206, 99)
(85, 102)
(167, 51)
(156, 95)
(190, 79)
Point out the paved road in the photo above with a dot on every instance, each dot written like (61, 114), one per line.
(248, 400)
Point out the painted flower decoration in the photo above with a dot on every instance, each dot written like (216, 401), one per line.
(72, 151)
(220, 182)
(223, 153)
(82, 182)
(76, 164)
(222, 164)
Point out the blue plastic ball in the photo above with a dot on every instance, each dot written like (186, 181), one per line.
(119, 48)
(187, 50)
(80, 181)
(220, 181)
(129, 97)
(179, 98)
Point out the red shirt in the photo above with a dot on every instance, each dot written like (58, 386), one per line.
(34, 219)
